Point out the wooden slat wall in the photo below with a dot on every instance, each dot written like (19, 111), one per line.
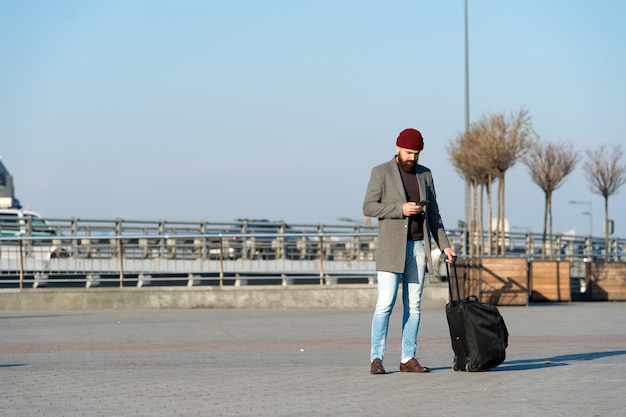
(606, 281)
(513, 281)
(504, 281)
(550, 281)
(501, 281)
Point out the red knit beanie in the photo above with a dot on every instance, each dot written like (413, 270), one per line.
(410, 139)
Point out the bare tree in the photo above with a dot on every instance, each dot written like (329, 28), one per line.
(467, 157)
(507, 139)
(462, 166)
(548, 165)
(484, 153)
(605, 176)
(461, 155)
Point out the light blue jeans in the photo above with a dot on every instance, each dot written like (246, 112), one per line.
(412, 286)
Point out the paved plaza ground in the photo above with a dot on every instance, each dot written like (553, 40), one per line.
(563, 360)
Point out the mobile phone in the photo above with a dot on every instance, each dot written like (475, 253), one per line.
(423, 203)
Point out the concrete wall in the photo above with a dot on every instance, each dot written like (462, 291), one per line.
(290, 297)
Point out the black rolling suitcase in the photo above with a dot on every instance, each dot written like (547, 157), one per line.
(479, 335)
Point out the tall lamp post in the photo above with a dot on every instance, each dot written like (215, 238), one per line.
(467, 117)
(590, 213)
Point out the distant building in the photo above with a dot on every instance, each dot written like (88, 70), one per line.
(7, 191)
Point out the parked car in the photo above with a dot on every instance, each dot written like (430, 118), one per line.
(18, 222)
(266, 240)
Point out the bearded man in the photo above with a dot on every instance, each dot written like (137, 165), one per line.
(401, 195)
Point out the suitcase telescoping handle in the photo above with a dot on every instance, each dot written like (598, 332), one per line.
(456, 278)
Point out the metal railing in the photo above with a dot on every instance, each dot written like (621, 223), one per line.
(558, 247)
(194, 259)
(78, 252)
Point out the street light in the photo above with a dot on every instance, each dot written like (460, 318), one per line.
(589, 213)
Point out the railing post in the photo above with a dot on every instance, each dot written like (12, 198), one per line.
(355, 246)
(204, 250)
(530, 248)
(162, 239)
(121, 251)
(321, 258)
(614, 245)
(73, 232)
(117, 231)
(221, 262)
(302, 246)
(21, 265)
(588, 250)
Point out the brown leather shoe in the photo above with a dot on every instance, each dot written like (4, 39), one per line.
(377, 367)
(413, 366)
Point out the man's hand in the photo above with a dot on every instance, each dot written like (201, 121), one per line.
(450, 255)
(411, 208)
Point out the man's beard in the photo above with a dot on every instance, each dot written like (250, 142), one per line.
(407, 166)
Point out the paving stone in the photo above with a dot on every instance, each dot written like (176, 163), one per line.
(563, 360)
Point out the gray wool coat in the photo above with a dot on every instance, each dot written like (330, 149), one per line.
(383, 200)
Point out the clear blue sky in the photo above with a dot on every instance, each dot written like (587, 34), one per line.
(215, 110)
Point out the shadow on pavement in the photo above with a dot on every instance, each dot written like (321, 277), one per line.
(540, 363)
(561, 360)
